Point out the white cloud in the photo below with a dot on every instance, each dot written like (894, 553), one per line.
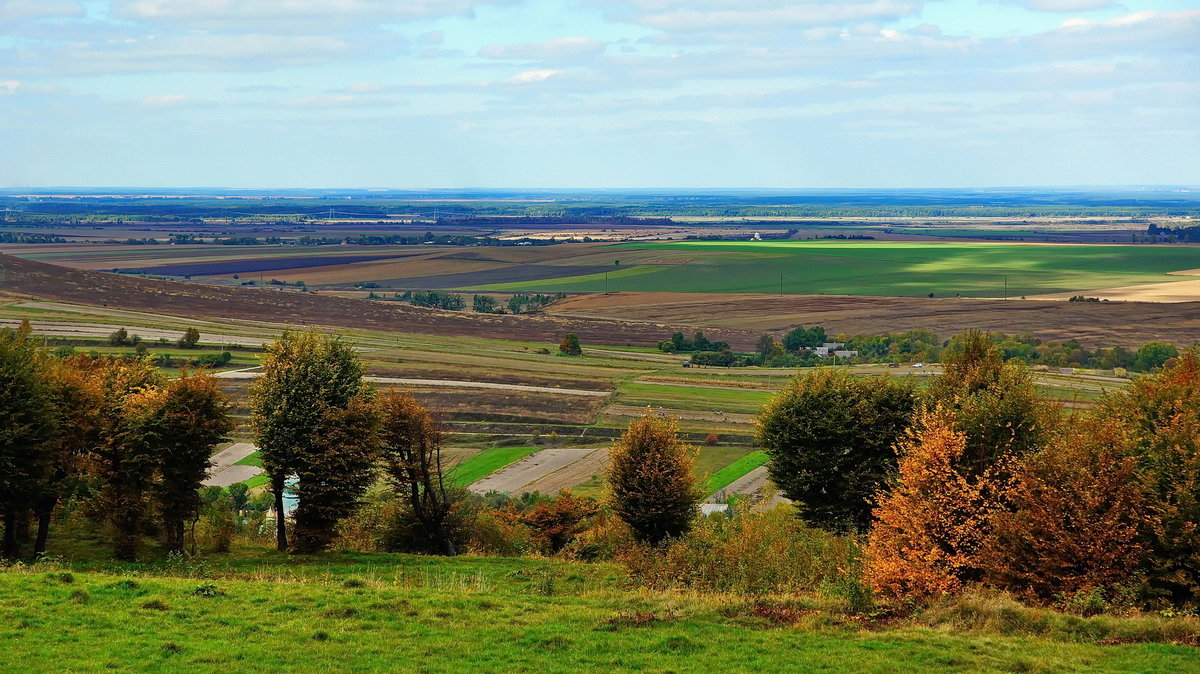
(237, 14)
(159, 100)
(558, 48)
(8, 87)
(17, 10)
(724, 18)
(1065, 5)
(530, 76)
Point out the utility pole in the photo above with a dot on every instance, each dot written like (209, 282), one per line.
(1006, 286)
(605, 283)
(781, 284)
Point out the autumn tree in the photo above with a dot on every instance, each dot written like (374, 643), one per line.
(557, 522)
(930, 527)
(411, 443)
(570, 345)
(335, 471)
(1076, 516)
(650, 479)
(306, 377)
(191, 419)
(77, 403)
(830, 438)
(1162, 412)
(27, 426)
(127, 452)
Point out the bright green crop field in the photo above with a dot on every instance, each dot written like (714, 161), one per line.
(897, 268)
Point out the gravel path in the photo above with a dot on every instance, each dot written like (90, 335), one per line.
(247, 374)
(747, 484)
(514, 479)
(224, 473)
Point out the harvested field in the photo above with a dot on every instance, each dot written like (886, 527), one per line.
(573, 474)
(525, 272)
(1094, 324)
(41, 280)
(249, 266)
(694, 415)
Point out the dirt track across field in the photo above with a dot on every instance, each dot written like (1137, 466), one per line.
(516, 478)
(694, 415)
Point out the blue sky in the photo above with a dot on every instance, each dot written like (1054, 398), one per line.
(599, 93)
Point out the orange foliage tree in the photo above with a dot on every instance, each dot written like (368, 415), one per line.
(1076, 518)
(930, 528)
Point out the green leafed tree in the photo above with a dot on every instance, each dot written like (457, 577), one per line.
(192, 418)
(336, 471)
(830, 438)
(306, 377)
(653, 489)
(570, 345)
(27, 426)
(189, 339)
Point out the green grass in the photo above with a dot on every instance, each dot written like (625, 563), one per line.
(348, 612)
(724, 477)
(487, 462)
(691, 397)
(254, 459)
(901, 268)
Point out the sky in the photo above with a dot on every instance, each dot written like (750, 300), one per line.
(413, 94)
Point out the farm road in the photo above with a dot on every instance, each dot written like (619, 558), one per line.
(224, 473)
(245, 374)
(520, 475)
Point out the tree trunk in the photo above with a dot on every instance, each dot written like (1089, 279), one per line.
(9, 550)
(281, 543)
(125, 537)
(44, 512)
(173, 534)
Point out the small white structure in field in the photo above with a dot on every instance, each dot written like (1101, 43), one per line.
(757, 237)
(843, 353)
(707, 509)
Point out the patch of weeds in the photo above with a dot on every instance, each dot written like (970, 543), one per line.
(354, 583)
(321, 636)
(487, 606)
(128, 587)
(80, 597)
(156, 605)
(679, 644)
(208, 590)
(284, 608)
(66, 577)
(341, 613)
(545, 584)
(172, 648)
(631, 619)
(554, 643)
(772, 614)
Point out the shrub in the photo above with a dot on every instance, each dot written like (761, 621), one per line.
(931, 526)
(651, 481)
(830, 440)
(1077, 512)
(554, 523)
(752, 553)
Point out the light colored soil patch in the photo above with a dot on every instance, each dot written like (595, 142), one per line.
(694, 415)
(514, 479)
(572, 475)
(1172, 291)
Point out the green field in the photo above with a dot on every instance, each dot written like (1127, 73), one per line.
(898, 268)
(724, 477)
(487, 462)
(376, 612)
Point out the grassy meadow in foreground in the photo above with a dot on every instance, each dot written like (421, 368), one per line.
(345, 611)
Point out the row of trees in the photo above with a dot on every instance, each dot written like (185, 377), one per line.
(977, 479)
(112, 425)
